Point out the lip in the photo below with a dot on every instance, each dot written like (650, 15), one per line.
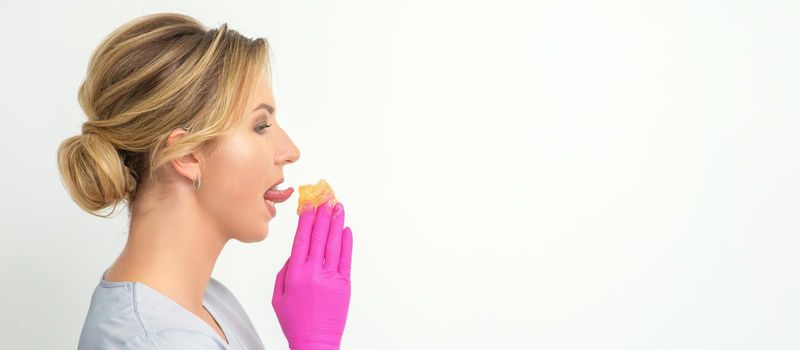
(280, 181)
(270, 208)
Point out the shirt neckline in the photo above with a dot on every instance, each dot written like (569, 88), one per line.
(223, 324)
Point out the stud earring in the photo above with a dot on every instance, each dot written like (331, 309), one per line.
(196, 182)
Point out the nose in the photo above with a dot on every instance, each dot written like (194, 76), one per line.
(289, 152)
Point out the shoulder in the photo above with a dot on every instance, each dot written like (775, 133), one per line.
(135, 314)
(174, 339)
(111, 317)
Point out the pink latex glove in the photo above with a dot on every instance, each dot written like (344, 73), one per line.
(312, 290)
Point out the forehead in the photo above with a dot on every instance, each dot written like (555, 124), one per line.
(262, 93)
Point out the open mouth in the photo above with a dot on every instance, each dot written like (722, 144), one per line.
(276, 195)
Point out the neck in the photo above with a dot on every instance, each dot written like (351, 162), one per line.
(172, 248)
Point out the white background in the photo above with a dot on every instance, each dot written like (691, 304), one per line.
(517, 175)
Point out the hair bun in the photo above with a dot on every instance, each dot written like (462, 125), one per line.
(93, 172)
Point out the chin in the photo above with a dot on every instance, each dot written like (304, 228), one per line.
(255, 237)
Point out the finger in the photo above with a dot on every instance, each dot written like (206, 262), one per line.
(346, 256)
(302, 236)
(280, 281)
(334, 245)
(319, 235)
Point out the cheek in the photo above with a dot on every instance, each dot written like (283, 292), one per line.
(237, 181)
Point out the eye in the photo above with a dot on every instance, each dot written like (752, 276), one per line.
(262, 127)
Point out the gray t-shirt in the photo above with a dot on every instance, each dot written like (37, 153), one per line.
(132, 315)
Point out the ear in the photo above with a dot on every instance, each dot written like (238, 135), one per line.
(188, 165)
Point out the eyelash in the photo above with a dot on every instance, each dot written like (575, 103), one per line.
(262, 127)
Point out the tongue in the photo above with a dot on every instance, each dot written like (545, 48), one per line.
(278, 196)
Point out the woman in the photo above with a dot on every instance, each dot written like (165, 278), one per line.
(182, 128)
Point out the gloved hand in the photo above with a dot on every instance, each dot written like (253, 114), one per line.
(312, 290)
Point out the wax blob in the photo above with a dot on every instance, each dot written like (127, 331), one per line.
(316, 194)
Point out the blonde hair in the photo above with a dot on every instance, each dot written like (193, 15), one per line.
(148, 77)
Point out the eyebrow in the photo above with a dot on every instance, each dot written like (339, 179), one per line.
(269, 108)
